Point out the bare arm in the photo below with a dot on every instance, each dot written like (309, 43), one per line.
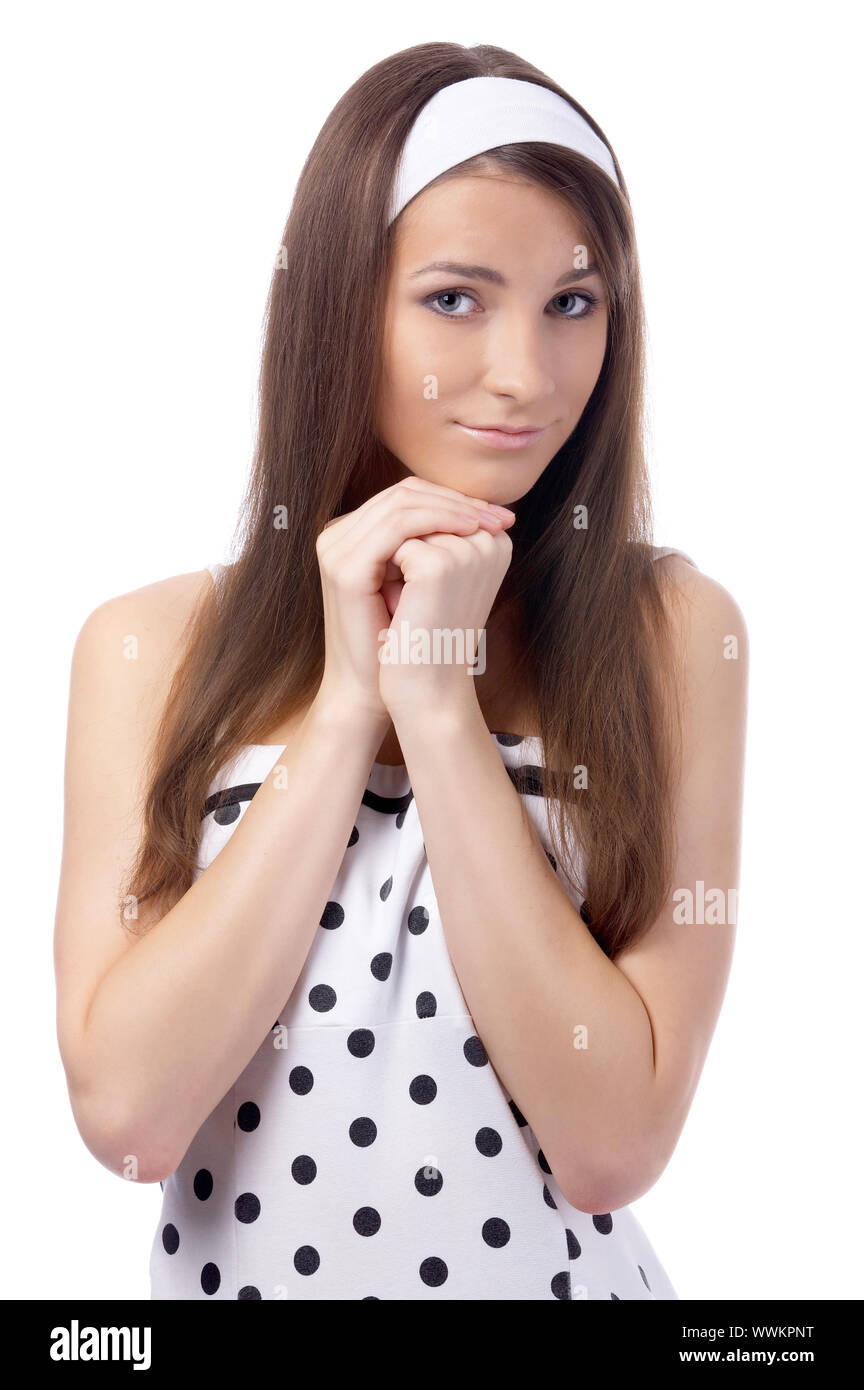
(154, 1030)
(608, 1116)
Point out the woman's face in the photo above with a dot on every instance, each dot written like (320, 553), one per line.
(464, 349)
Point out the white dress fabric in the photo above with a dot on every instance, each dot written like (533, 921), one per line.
(369, 1150)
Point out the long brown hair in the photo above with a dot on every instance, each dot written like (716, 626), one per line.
(595, 656)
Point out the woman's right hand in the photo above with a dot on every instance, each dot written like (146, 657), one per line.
(357, 578)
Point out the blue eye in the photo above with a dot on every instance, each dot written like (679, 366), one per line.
(444, 294)
(588, 300)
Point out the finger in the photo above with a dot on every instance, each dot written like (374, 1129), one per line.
(414, 483)
(415, 558)
(484, 541)
(378, 502)
(381, 532)
(464, 549)
(455, 545)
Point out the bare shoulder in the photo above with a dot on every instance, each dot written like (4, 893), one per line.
(140, 631)
(707, 620)
(158, 612)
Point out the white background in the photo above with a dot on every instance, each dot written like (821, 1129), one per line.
(150, 157)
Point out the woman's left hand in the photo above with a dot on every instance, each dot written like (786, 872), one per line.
(437, 633)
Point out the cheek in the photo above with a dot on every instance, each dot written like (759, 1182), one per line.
(412, 381)
(422, 350)
(423, 371)
(589, 362)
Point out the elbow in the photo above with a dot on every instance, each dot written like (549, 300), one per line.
(613, 1190)
(121, 1147)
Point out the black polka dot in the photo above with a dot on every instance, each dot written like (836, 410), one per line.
(301, 1080)
(541, 1159)
(306, 1259)
(644, 1277)
(433, 1271)
(248, 1116)
(249, 1291)
(574, 1249)
(354, 836)
(322, 998)
(561, 1285)
(363, 1132)
(170, 1239)
(426, 1004)
(428, 1181)
(381, 965)
(615, 1296)
(384, 890)
(333, 916)
(400, 818)
(202, 1184)
(367, 1221)
(361, 1042)
(585, 914)
(210, 1278)
(304, 1169)
(496, 1232)
(603, 1223)
(418, 920)
(551, 858)
(517, 1115)
(475, 1052)
(548, 1198)
(370, 1298)
(247, 1208)
(422, 1090)
(488, 1142)
(226, 815)
(509, 740)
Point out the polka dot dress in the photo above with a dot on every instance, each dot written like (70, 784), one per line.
(369, 1150)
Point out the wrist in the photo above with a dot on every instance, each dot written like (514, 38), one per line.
(439, 716)
(332, 710)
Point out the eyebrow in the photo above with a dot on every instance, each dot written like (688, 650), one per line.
(483, 272)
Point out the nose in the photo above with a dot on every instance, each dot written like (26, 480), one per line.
(516, 359)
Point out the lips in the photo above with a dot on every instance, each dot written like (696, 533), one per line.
(498, 438)
(507, 429)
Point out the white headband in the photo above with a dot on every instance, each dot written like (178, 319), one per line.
(480, 113)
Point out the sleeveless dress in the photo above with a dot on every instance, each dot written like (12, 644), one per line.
(369, 1150)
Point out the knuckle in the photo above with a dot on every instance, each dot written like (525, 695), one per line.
(484, 541)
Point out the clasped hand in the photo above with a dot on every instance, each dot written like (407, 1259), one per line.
(408, 582)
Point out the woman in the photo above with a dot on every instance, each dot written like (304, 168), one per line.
(406, 810)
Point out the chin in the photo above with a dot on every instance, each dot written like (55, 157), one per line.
(493, 480)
